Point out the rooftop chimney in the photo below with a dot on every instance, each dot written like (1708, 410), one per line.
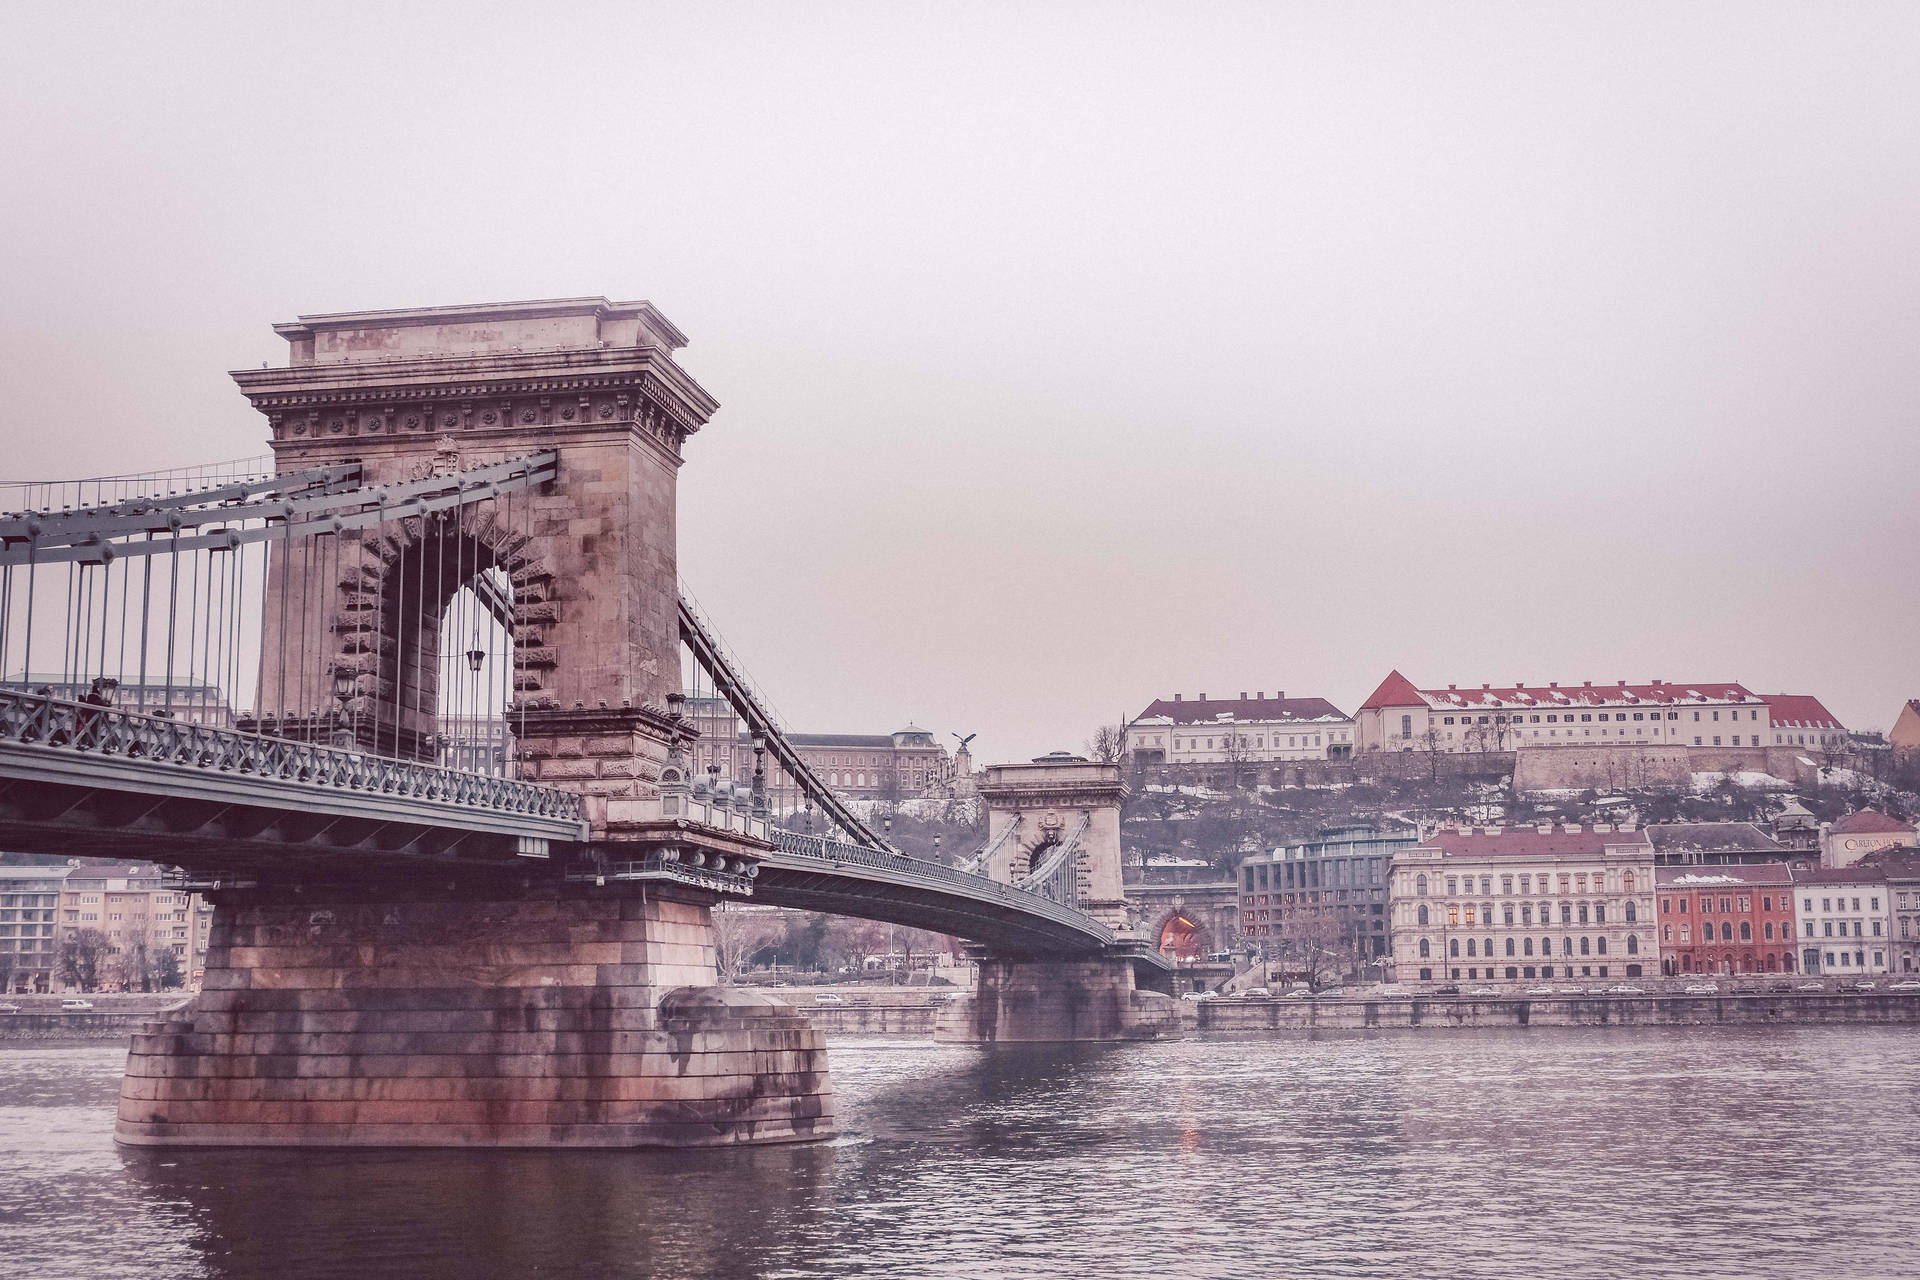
(1203, 695)
(1261, 694)
(1586, 684)
(1243, 695)
(1177, 697)
(1280, 694)
(1553, 684)
(1453, 686)
(1486, 686)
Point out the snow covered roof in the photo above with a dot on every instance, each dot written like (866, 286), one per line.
(1239, 710)
(1530, 841)
(1712, 836)
(1730, 875)
(1397, 691)
(1800, 711)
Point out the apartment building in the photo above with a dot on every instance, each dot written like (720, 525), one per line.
(29, 910)
(142, 916)
(1726, 918)
(1505, 904)
(1845, 917)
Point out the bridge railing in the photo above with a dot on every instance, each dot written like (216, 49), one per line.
(824, 849)
(59, 724)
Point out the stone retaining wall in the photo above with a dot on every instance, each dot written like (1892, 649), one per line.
(1570, 1011)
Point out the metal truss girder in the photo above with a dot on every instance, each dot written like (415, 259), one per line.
(325, 514)
(325, 479)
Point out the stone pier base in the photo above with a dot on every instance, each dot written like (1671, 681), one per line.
(562, 1022)
(1060, 1001)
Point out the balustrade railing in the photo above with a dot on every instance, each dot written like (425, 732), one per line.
(59, 724)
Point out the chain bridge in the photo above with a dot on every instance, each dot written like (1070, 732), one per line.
(404, 698)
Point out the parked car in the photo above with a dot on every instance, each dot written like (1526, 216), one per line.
(76, 1006)
(1908, 985)
(1856, 986)
(1483, 991)
(1447, 989)
(1624, 990)
(1811, 986)
(1541, 991)
(9, 1008)
(1781, 986)
(1256, 993)
(1702, 989)
(827, 997)
(1193, 995)
(1331, 993)
(948, 997)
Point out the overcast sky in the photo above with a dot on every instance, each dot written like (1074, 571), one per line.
(1073, 356)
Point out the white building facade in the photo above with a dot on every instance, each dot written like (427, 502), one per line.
(1400, 717)
(1524, 904)
(1246, 729)
(1845, 916)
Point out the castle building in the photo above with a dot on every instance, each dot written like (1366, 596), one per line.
(1400, 717)
(1235, 730)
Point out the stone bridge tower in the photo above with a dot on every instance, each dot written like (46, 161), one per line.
(1033, 811)
(457, 1001)
(1033, 808)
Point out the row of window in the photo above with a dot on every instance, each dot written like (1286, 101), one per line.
(1570, 882)
(1726, 931)
(1568, 913)
(1588, 946)
(1828, 929)
(1745, 902)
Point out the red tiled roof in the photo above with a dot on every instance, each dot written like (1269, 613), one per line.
(1728, 874)
(1869, 822)
(1799, 711)
(1207, 710)
(1530, 841)
(1587, 694)
(1395, 691)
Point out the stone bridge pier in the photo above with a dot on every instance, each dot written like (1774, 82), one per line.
(1035, 811)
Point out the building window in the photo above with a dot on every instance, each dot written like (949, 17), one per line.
(1424, 950)
(1509, 946)
(1633, 944)
(1746, 932)
(1422, 914)
(1453, 948)
(1600, 945)
(1632, 915)
(1406, 726)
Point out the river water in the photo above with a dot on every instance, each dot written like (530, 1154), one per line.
(1652, 1152)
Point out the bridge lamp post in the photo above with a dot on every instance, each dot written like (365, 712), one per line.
(342, 693)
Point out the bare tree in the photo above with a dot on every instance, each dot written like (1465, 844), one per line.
(6, 972)
(133, 967)
(1430, 742)
(741, 932)
(1313, 944)
(78, 959)
(166, 970)
(1235, 749)
(1107, 744)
